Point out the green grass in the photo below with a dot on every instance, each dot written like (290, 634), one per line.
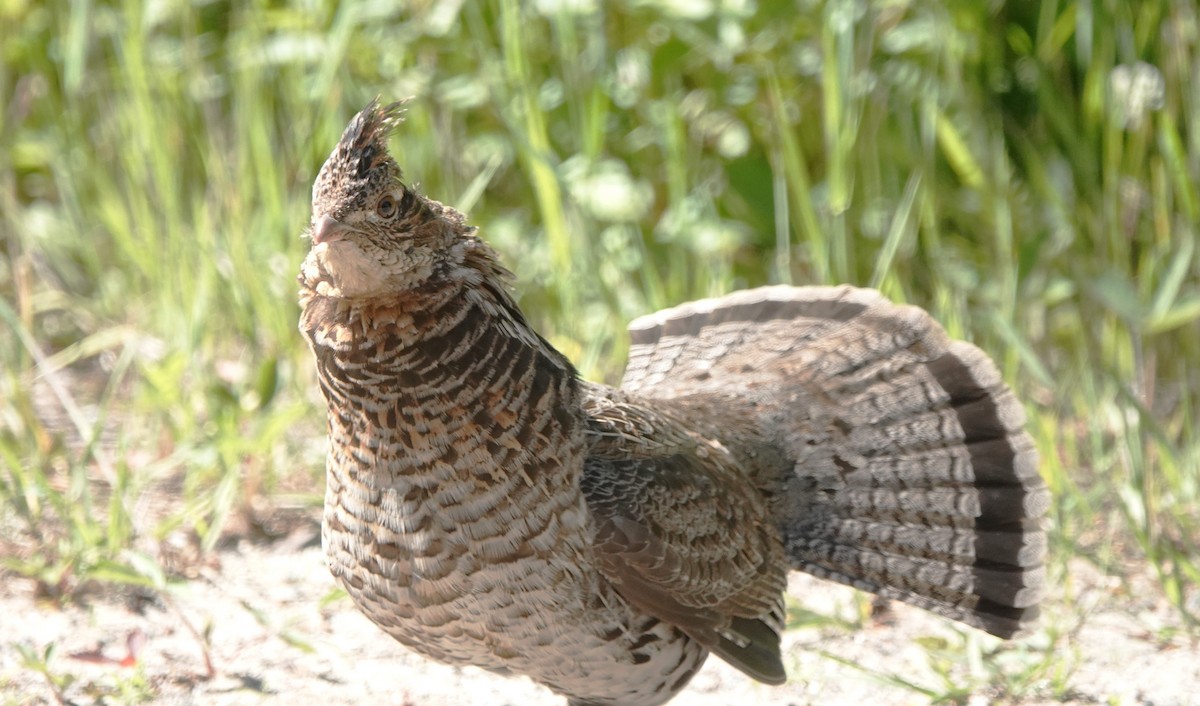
(987, 161)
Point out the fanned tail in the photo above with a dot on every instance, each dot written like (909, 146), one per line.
(905, 468)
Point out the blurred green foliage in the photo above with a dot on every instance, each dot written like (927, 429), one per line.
(1029, 172)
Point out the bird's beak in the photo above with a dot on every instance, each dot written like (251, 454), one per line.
(328, 229)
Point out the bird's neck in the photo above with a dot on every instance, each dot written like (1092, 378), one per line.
(454, 321)
(453, 367)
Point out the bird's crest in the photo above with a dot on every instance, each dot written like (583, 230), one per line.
(364, 142)
(360, 159)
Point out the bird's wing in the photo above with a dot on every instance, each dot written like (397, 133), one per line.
(682, 535)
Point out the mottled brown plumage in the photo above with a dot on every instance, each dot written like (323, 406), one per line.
(485, 506)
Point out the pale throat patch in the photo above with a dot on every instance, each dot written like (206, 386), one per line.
(351, 272)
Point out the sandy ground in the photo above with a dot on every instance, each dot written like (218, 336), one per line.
(273, 640)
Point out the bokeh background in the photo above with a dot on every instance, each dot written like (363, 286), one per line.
(1029, 172)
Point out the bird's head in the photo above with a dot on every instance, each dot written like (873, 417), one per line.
(373, 236)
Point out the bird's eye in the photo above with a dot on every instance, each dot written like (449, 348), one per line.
(386, 208)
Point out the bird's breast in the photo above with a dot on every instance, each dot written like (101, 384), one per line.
(453, 494)
(453, 513)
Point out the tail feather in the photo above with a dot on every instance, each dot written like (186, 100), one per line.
(1010, 586)
(911, 475)
(1014, 547)
(998, 618)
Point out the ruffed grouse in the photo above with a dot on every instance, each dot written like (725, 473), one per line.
(486, 506)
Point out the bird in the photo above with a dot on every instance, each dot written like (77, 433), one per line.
(485, 505)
